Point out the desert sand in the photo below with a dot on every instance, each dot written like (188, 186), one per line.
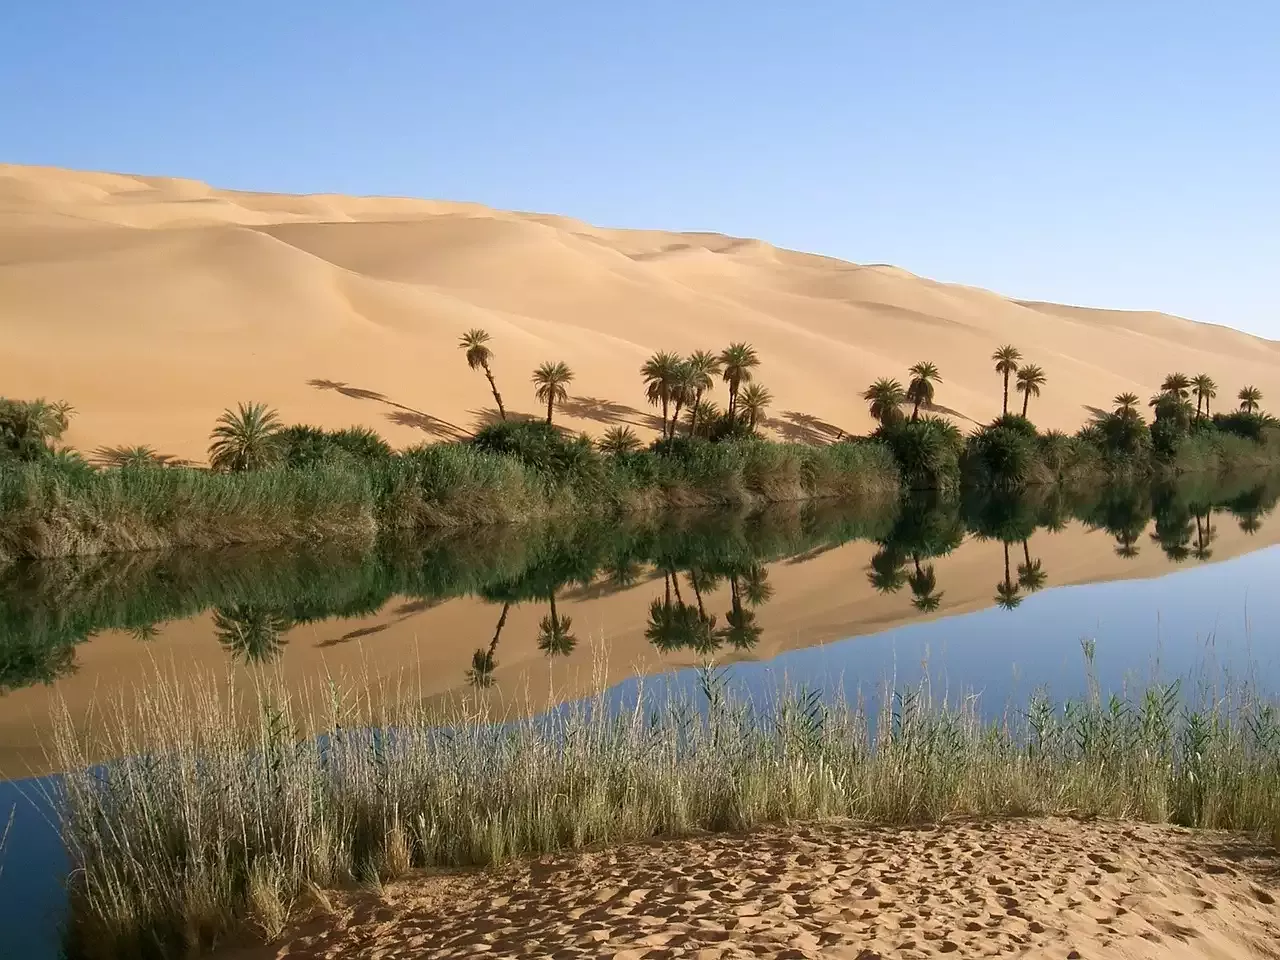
(1038, 889)
(151, 304)
(425, 650)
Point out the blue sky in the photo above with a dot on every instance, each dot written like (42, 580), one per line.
(1118, 154)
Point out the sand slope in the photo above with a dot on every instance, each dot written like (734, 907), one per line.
(151, 304)
(1037, 889)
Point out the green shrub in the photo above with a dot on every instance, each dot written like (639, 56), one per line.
(927, 451)
(1004, 454)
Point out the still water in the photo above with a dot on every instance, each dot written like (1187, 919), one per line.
(989, 595)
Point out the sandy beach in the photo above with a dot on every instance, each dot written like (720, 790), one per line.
(181, 300)
(1026, 888)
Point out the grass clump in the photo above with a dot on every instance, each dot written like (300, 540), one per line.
(212, 819)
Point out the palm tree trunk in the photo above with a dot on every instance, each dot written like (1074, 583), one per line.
(1006, 393)
(675, 417)
(733, 398)
(497, 397)
(915, 412)
(1007, 578)
(693, 420)
(675, 580)
(551, 402)
(555, 620)
(1026, 552)
(1026, 399)
(664, 416)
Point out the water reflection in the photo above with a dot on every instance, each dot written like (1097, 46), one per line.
(714, 570)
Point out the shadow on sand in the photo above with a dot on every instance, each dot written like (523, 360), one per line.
(402, 415)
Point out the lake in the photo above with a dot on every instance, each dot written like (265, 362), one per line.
(995, 595)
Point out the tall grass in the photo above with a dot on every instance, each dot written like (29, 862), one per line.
(57, 509)
(232, 804)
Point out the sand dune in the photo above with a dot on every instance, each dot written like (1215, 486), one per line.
(152, 303)
(1038, 889)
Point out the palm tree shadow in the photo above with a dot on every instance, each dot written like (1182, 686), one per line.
(609, 412)
(1095, 411)
(427, 424)
(488, 416)
(948, 411)
(797, 427)
(403, 416)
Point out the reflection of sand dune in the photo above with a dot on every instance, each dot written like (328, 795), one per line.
(823, 599)
(165, 301)
(1042, 888)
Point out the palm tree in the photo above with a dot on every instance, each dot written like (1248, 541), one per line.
(920, 390)
(250, 632)
(701, 415)
(886, 397)
(1177, 384)
(1205, 390)
(703, 367)
(476, 342)
(618, 440)
(549, 381)
(660, 373)
(1250, 398)
(554, 638)
(754, 400)
(1006, 359)
(737, 361)
(130, 457)
(245, 439)
(1030, 379)
(682, 392)
(1126, 404)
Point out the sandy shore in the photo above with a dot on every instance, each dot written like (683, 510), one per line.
(1027, 888)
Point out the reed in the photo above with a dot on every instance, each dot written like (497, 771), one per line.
(231, 802)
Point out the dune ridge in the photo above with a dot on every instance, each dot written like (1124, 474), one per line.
(152, 303)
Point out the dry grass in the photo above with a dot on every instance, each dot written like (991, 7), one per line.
(231, 805)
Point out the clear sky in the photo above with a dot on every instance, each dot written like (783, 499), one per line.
(1122, 153)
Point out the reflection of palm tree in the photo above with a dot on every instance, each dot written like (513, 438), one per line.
(146, 631)
(740, 630)
(1007, 595)
(622, 571)
(885, 572)
(1127, 544)
(755, 585)
(924, 585)
(480, 673)
(482, 661)
(704, 638)
(1031, 574)
(663, 628)
(250, 632)
(554, 638)
(1205, 535)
